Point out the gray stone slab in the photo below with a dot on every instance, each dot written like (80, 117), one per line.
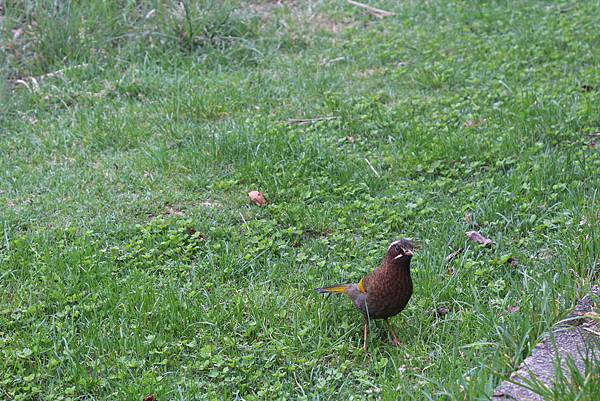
(571, 338)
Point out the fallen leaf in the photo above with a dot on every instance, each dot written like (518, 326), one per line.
(513, 309)
(476, 236)
(454, 254)
(257, 198)
(441, 311)
(150, 397)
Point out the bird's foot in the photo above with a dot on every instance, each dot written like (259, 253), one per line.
(395, 341)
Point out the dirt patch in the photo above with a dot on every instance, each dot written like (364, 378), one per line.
(299, 13)
(266, 9)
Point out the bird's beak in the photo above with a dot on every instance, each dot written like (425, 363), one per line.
(405, 252)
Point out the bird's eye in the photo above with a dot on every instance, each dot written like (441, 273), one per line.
(398, 249)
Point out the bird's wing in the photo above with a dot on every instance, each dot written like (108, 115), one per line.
(365, 283)
(357, 294)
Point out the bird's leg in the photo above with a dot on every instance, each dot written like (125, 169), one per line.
(395, 341)
(366, 333)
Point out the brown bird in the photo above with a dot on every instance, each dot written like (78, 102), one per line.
(385, 291)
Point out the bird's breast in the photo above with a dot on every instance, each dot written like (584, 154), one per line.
(389, 296)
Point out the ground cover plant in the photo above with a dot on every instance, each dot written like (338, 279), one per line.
(132, 262)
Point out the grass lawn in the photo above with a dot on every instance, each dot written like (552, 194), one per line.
(132, 263)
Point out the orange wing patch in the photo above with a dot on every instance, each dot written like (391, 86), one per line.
(361, 288)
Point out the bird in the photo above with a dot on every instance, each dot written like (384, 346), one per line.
(385, 291)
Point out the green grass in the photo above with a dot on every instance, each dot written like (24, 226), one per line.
(460, 107)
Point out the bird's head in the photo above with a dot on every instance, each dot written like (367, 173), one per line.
(400, 251)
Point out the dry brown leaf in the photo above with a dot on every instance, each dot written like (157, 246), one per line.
(257, 198)
(453, 255)
(150, 397)
(513, 309)
(476, 236)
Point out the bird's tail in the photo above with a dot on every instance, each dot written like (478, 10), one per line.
(336, 289)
